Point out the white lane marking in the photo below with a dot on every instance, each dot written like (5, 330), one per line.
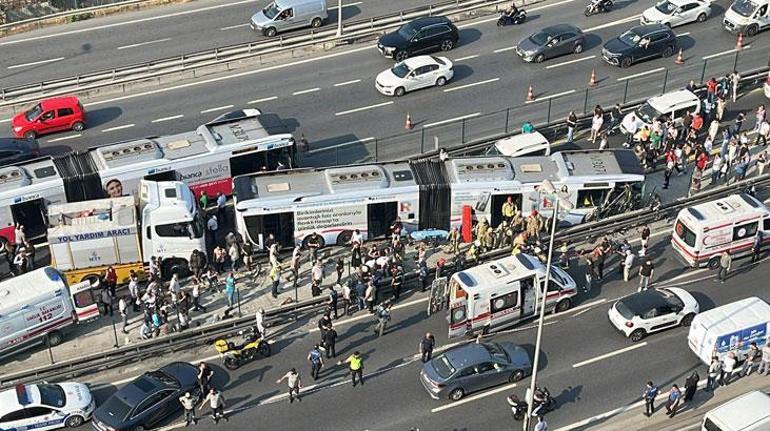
(687, 33)
(363, 108)
(345, 5)
(510, 48)
(309, 90)
(729, 51)
(264, 99)
(341, 84)
(134, 45)
(230, 27)
(122, 23)
(112, 129)
(580, 308)
(609, 355)
(496, 17)
(65, 138)
(472, 84)
(466, 57)
(173, 117)
(570, 62)
(7, 120)
(218, 108)
(474, 398)
(438, 123)
(612, 23)
(346, 144)
(623, 78)
(551, 96)
(35, 63)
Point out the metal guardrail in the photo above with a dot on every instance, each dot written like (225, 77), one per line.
(80, 7)
(356, 30)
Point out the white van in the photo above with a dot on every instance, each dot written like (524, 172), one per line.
(703, 231)
(282, 15)
(729, 328)
(747, 17)
(501, 293)
(523, 144)
(673, 104)
(748, 412)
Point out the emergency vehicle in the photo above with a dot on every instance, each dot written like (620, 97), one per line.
(45, 406)
(504, 292)
(703, 231)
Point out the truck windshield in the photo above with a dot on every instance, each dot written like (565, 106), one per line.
(744, 8)
(271, 10)
(684, 233)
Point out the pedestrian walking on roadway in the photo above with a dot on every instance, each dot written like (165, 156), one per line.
(764, 365)
(329, 341)
(648, 395)
(332, 301)
(725, 263)
(188, 403)
(596, 124)
(690, 386)
(217, 403)
(230, 289)
(196, 296)
(275, 278)
(294, 382)
(571, 127)
(541, 424)
(714, 374)
(356, 365)
(205, 374)
(672, 403)
(756, 247)
(316, 361)
(123, 310)
(221, 208)
(106, 301)
(425, 349)
(646, 272)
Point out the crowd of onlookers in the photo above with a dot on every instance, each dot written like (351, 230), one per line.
(20, 253)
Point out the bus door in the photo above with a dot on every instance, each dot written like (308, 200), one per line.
(379, 216)
(84, 302)
(282, 226)
(528, 294)
(31, 215)
(497, 206)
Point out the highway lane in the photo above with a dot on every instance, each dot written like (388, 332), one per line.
(137, 37)
(346, 108)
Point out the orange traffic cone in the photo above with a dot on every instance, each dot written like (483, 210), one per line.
(679, 57)
(408, 124)
(530, 94)
(592, 80)
(739, 43)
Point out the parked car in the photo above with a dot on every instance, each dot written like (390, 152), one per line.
(426, 34)
(282, 15)
(653, 310)
(473, 367)
(15, 150)
(414, 73)
(551, 42)
(640, 43)
(45, 406)
(150, 398)
(48, 116)
(676, 12)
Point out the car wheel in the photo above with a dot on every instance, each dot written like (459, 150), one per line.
(578, 48)
(637, 335)
(516, 376)
(30, 134)
(752, 31)
(626, 62)
(687, 320)
(270, 32)
(702, 17)
(400, 91)
(713, 263)
(563, 305)
(316, 22)
(78, 126)
(668, 52)
(456, 394)
(53, 338)
(401, 56)
(74, 421)
(139, 428)
(447, 45)
(539, 58)
(441, 81)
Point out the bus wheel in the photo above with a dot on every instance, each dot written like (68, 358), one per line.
(563, 305)
(54, 338)
(713, 263)
(344, 237)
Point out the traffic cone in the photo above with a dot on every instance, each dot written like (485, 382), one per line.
(679, 57)
(530, 94)
(408, 124)
(592, 81)
(739, 43)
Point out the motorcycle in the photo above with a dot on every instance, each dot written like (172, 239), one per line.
(507, 19)
(519, 407)
(598, 6)
(236, 355)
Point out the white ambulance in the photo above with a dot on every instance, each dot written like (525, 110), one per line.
(504, 292)
(703, 231)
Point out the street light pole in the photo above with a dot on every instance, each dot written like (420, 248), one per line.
(339, 18)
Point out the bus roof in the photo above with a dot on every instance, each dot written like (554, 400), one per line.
(30, 288)
(34, 172)
(721, 210)
(491, 274)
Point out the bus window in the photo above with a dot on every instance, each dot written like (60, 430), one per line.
(279, 155)
(590, 198)
(745, 230)
(685, 233)
(766, 224)
(504, 302)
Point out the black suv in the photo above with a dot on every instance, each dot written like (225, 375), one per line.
(421, 35)
(640, 43)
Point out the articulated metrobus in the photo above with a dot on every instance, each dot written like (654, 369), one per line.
(425, 194)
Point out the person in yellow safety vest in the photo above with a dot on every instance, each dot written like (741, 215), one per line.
(356, 364)
(508, 210)
(519, 242)
(481, 232)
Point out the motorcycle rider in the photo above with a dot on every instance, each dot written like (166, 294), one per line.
(539, 399)
(600, 5)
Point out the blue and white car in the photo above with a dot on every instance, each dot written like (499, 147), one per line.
(45, 406)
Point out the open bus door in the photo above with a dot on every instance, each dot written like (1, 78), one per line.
(497, 206)
(84, 302)
(31, 215)
(379, 216)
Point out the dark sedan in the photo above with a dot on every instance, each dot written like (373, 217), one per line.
(474, 367)
(551, 42)
(147, 400)
(15, 150)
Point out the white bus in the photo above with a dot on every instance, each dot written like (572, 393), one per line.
(424, 194)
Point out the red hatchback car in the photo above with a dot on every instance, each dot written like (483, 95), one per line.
(48, 116)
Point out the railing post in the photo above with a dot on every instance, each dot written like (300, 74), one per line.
(625, 92)
(735, 63)
(585, 102)
(462, 135)
(507, 117)
(376, 150)
(548, 118)
(665, 81)
(422, 140)
(703, 71)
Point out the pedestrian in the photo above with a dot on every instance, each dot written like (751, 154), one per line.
(571, 126)
(370, 296)
(106, 300)
(196, 297)
(20, 237)
(425, 349)
(672, 403)
(763, 132)
(728, 368)
(331, 303)
(316, 361)
(756, 247)
(204, 200)
(316, 277)
(646, 272)
(205, 373)
(725, 262)
(714, 372)
(644, 233)
(260, 322)
(735, 82)
(361, 294)
(275, 278)
(356, 365)
(764, 365)
(753, 357)
(541, 424)
(235, 256)
(188, 403)
(221, 208)
(396, 280)
(759, 116)
(123, 310)
(690, 386)
(133, 290)
(628, 262)
(716, 169)
(217, 402)
(330, 342)
(650, 392)
(230, 289)
(294, 382)
(596, 124)
(313, 243)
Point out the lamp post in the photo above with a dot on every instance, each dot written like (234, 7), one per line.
(339, 18)
(546, 187)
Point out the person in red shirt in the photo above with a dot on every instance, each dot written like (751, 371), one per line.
(697, 122)
(111, 277)
(701, 161)
(711, 89)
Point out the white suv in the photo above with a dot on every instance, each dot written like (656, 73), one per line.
(653, 310)
(673, 105)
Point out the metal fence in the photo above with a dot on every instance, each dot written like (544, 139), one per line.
(12, 11)
(539, 112)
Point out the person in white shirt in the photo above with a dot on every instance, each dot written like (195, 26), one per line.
(596, 124)
(123, 310)
(728, 368)
(764, 366)
(631, 127)
(356, 237)
(174, 287)
(541, 424)
(628, 262)
(260, 324)
(294, 382)
(217, 403)
(19, 236)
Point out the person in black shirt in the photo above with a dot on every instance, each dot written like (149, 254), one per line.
(426, 347)
(313, 242)
(329, 340)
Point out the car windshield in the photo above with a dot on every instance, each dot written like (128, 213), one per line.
(666, 7)
(400, 70)
(52, 395)
(671, 298)
(646, 112)
(630, 38)
(443, 367)
(271, 10)
(407, 31)
(540, 38)
(165, 378)
(624, 311)
(496, 350)
(744, 7)
(34, 112)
